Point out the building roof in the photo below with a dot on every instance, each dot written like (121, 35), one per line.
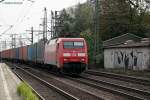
(131, 45)
(121, 39)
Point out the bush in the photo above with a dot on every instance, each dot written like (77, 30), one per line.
(26, 92)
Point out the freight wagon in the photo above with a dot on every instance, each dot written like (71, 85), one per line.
(68, 55)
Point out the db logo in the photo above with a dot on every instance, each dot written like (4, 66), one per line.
(74, 54)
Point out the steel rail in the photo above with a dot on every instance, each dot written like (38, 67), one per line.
(67, 95)
(133, 97)
(37, 94)
(127, 78)
(120, 86)
(81, 90)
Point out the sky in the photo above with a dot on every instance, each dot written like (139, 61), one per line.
(17, 18)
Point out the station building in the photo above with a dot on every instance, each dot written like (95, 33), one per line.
(129, 53)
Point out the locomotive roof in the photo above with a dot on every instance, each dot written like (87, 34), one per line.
(61, 39)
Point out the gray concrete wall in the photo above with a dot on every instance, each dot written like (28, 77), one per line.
(129, 58)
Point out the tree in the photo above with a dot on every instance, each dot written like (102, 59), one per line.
(139, 14)
(124, 16)
(77, 19)
(116, 17)
(90, 42)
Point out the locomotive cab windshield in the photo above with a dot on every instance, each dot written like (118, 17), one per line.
(73, 44)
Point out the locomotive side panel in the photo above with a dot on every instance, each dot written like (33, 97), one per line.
(50, 53)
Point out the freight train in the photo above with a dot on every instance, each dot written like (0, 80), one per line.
(69, 55)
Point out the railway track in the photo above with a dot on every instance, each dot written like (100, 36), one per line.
(117, 89)
(130, 93)
(43, 88)
(128, 88)
(63, 79)
(127, 92)
(37, 94)
(75, 93)
(132, 79)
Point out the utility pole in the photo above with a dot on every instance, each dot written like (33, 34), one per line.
(13, 40)
(20, 40)
(45, 25)
(55, 23)
(52, 24)
(32, 35)
(12, 43)
(97, 38)
(3, 45)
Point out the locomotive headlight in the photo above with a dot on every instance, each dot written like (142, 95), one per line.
(81, 54)
(66, 54)
(65, 59)
(82, 59)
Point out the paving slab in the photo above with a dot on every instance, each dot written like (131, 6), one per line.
(8, 84)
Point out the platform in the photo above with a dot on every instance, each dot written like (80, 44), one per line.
(8, 84)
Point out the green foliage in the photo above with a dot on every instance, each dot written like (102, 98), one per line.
(90, 43)
(76, 20)
(125, 16)
(83, 16)
(24, 90)
(116, 17)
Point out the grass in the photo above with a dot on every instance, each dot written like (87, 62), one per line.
(26, 92)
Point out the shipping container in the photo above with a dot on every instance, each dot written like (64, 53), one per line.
(12, 53)
(7, 54)
(40, 51)
(17, 53)
(24, 53)
(32, 52)
(3, 54)
(0, 55)
(20, 53)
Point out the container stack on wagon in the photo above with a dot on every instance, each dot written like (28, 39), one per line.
(63, 53)
(23, 53)
(0, 55)
(40, 51)
(17, 54)
(12, 53)
(6, 54)
(32, 52)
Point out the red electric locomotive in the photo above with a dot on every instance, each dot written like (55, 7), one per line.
(67, 54)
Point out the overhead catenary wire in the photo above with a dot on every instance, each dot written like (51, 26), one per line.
(16, 22)
(6, 30)
(21, 19)
(2, 17)
(23, 13)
